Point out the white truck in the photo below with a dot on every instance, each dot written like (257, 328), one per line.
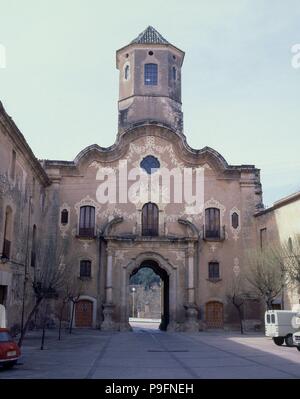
(296, 335)
(280, 326)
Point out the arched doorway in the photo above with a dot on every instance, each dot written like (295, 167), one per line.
(84, 313)
(214, 314)
(164, 277)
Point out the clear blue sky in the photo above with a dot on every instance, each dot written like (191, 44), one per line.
(240, 93)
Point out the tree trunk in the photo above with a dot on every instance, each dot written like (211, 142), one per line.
(72, 318)
(241, 320)
(43, 335)
(23, 332)
(60, 320)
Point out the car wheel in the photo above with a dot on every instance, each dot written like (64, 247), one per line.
(278, 340)
(298, 347)
(289, 340)
(9, 365)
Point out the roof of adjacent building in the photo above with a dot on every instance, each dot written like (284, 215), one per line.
(150, 36)
(280, 203)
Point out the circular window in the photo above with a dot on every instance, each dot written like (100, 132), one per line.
(150, 53)
(150, 164)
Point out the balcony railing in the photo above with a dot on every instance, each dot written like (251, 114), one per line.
(214, 235)
(86, 232)
(6, 249)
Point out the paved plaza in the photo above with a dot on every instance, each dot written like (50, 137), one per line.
(149, 353)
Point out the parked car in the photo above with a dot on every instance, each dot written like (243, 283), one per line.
(279, 326)
(9, 350)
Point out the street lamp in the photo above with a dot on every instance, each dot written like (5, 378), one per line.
(133, 289)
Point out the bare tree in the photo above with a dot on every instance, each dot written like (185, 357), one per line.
(46, 284)
(70, 292)
(291, 250)
(237, 295)
(266, 273)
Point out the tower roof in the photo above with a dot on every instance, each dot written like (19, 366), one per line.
(150, 36)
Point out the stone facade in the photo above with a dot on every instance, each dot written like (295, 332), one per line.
(180, 253)
(278, 224)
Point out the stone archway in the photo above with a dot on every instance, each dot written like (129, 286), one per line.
(165, 311)
(168, 274)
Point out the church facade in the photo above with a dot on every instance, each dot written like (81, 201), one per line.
(110, 212)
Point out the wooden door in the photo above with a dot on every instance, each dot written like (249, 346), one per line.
(214, 315)
(84, 314)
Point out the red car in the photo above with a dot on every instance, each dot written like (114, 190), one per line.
(9, 350)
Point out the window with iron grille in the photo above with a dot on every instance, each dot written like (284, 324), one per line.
(212, 223)
(87, 221)
(174, 73)
(213, 270)
(150, 219)
(85, 268)
(64, 217)
(151, 74)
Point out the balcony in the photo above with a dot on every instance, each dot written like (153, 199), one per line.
(86, 232)
(213, 235)
(6, 249)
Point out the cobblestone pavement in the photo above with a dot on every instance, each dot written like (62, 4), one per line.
(149, 353)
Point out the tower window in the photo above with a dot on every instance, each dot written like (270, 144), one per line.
(174, 73)
(150, 164)
(13, 164)
(151, 74)
(127, 72)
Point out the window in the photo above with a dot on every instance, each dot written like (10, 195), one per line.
(273, 318)
(85, 268)
(263, 237)
(64, 217)
(213, 270)
(151, 74)
(33, 247)
(126, 74)
(13, 164)
(150, 164)
(3, 294)
(87, 221)
(174, 73)
(150, 219)
(212, 223)
(7, 233)
(235, 220)
(268, 319)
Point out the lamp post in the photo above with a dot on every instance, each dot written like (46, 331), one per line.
(133, 291)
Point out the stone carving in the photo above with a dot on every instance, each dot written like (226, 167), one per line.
(236, 266)
(87, 201)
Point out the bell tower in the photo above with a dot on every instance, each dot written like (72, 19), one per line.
(150, 82)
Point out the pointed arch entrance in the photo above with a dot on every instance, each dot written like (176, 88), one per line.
(165, 289)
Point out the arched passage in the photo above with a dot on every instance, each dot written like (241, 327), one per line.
(165, 291)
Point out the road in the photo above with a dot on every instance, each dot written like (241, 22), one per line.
(149, 353)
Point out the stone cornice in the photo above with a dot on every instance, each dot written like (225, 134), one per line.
(21, 144)
(191, 156)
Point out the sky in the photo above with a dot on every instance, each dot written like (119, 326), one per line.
(240, 92)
